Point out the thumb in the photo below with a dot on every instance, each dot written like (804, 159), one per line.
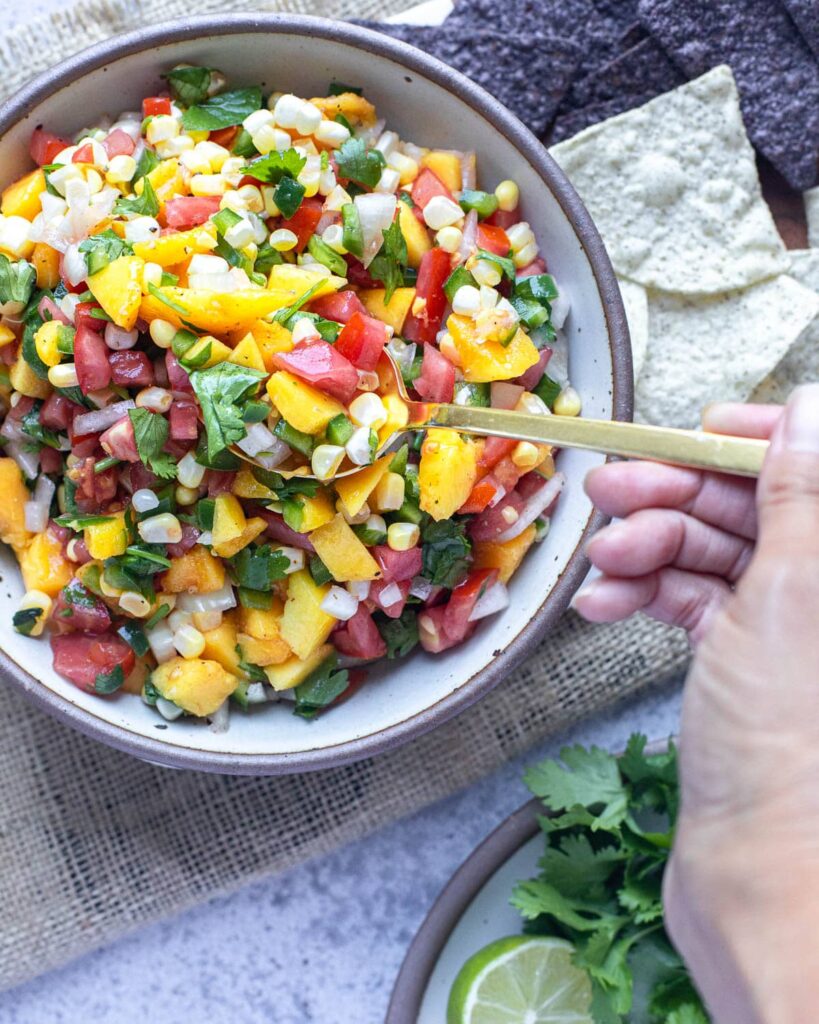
(788, 491)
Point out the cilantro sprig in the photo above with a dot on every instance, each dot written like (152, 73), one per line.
(151, 435)
(360, 164)
(390, 260)
(223, 111)
(220, 390)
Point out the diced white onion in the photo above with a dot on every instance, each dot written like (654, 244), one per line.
(12, 430)
(339, 603)
(421, 588)
(160, 640)
(295, 557)
(535, 506)
(402, 352)
(560, 309)
(27, 460)
(169, 711)
(275, 454)
(469, 242)
(102, 419)
(74, 267)
(220, 719)
(36, 516)
(469, 170)
(494, 600)
(376, 211)
(390, 595)
(258, 439)
(44, 490)
(360, 589)
(221, 600)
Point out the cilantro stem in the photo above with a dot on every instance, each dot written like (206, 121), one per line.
(107, 463)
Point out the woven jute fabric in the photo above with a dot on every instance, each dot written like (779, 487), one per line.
(94, 843)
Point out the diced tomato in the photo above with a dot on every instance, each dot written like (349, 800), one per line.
(425, 187)
(81, 658)
(358, 275)
(80, 552)
(8, 354)
(50, 460)
(495, 449)
(57, 412)
(493, 239)
(398, 565)
(177, 375)
(190, 211)
(537, 266)
(95, 490)
(118, 143)
(432, 632)
(480, 496)
(140, 476)
(504, 218)
(219, 482)
(78, 609)
(496, 520)
(530, 380)
(154, 105)
(131, 369)
(432, 274)
(507, 473)
(119, 441)
(359, 637)
(463, 600)
(323, 366)
(91, 360)
(184, 421)
(377, 587)
(362, 341)
(44, 146)
(83, 155)
(339, 306)
(23, 407)
(225, 137)
(304, 220)
(437, 380)
(530, 484)
(83, 318)
(190, 535)
(278, 530)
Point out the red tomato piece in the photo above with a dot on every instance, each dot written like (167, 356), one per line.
(78, 609)
(184, 421)
(57, 412)
(95, 490)
(190, 211)
(278, 530)
(495, 449)
(493, 239)
(120, 442)
(91, 360)
(118, 143)
(83, 318)
(50, 460)
(432, 632)
(463, 600)
(531, 378)
(83, 155)
(339, 306)
(432, 274)
(480, 496)
(398, 566)
(537, 266)
(504, 218)
(437, 380)
(177, 375)
(44, 146)
(81, 658)
(131, 369)
(304, 220)
(358, 275)
(219, 482)
(322, 365)
(362, 340)
(496, 520)
(359, 637)
(425, 187)
(154, 105)
(225, 137)
(377, 587)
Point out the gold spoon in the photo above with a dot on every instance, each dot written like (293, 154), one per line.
(722, 453)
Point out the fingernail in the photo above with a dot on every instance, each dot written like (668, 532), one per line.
(585, 591)
(801, 427)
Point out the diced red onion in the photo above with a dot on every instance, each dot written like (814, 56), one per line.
(48, 309)
(118, 339)
(504, 395)
(27, 460)
(102, 419)
(390, 595)
(326, 219)
(499, 494)
(494, 600)
(469, 242)
(534, 507)
(367, 380)
(36, 510)
(12, 430)
(469, 173)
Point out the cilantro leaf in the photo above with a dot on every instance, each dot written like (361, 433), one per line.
(258, 568)
(17, 280)
(288, 196)
(401, 634)
(320, 688)
(390, 260)
(151, 435)
(275, 166)
(360, 164)
(146, 205)
(189, 84)
(445, 552)
(590, 778)
(220, 389)
(31, 426)
(102, 249)
(222, 111)
(574, 867)
(146, 163)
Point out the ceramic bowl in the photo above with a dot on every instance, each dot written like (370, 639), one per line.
(429, 103)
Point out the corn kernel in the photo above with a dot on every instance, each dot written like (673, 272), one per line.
(325, 460)
(449, 238)
(214, 154)
(332, 134)
(93, 179)
(189, 472)
(162, 333)
(337, 198)
(333, 236)
(155, 399)
(208, 185)
(525, 455)
(189, 642)
(466, 301)
(389, 494)
(368, 410)
(567, 403)
(389, 180)
(403, 536)
(63, 376)
(121, 168)
(283, 240)
(519, 235)
(162, 529)
(252, 196)
(195, 162)
(41, 601)
(108, 590)
(161, 128)
(185, 495)
(151, 274)
(486, 273)
(523, 257)
(507, 195)
(270, 208)
(447, 348)
(532, 404)
(135, 604)
(441, 211)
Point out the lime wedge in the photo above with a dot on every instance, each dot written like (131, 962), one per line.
(521, 980)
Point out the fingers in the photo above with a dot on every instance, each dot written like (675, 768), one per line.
(741, 419)
(621, 488)
(673, 596)
(788, 491)
(651, 539)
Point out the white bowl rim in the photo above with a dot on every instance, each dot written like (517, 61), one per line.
(164, 751)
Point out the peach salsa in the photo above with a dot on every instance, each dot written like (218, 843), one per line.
(196, 299)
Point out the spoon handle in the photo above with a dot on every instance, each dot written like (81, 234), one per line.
(740, 456)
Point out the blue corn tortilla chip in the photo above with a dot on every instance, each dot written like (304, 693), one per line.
(777, 74)
(643, 70)
(573, 121)
(806, 15)
(529, 74)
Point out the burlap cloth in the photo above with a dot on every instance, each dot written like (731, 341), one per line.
(94, 843)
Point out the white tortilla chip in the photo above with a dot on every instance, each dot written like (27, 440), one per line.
(801, 364)
(635, 301)
(812, 215)
(717, 348)
(674, 191)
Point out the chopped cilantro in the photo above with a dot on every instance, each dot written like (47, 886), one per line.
(320, 688)
(17, 280)
(220, 390)
(276, 165)
(223, 111)
(102, 249)
(446, 550)
(358, 163)
(401, 634)
(258, 567)
(189, 85)
(146, 205)
(151, 435)
(390, 260)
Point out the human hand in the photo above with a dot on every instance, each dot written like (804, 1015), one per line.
(737, 566)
